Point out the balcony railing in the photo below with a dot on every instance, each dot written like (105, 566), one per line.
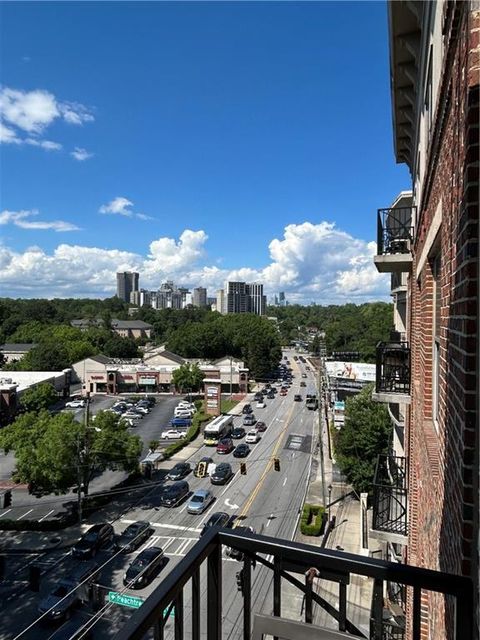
(283, 561)
(393, 368)
(394, 230)
(390, 495)
(394, 239)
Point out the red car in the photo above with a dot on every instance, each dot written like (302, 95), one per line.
(225, 445)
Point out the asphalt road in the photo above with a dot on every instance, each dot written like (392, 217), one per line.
(267, 500)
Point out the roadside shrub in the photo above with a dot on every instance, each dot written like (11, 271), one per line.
(312, 522)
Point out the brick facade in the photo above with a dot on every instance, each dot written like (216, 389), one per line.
(442, 438)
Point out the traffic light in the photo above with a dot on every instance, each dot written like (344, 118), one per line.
(276, 464)
(239, 578)
(7, 499)
(243, 468)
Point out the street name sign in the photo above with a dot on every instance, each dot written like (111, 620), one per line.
(124, 600)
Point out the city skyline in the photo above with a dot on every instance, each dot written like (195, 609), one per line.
(245, 140)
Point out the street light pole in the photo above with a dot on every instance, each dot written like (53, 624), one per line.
(231, 374)
(320, 431)
(81, 444)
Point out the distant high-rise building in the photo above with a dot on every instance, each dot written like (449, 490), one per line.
(236, 299)
(221, 301)
(281, 299)
(256, 301)
(127, 282)
(141, 298)
(199, 297)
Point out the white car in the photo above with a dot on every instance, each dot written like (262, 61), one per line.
(173, 434)
(260, 405)
(186, 406)
(142, 409)
(252, 437)
(75, 404)
(132, 415)
(183, 413)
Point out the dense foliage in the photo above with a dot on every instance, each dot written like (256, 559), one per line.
(364, 436)
(348, 327)
(39, 397)
(252, 338)
(50, 451)
(188, 377)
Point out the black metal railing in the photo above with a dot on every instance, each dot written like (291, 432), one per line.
(393, 368)
(390, 495)
(285, 561)
(394, 230)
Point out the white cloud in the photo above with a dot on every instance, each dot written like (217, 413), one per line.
(32, 112)
(119, 205)
(310, 262)
(123, 207)
(23, 220)
(81, 154)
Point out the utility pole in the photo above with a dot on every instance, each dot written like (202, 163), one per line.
(231, 377)
(81, 444)
(320, 428)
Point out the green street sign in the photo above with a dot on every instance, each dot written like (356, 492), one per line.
(172, 612)
(124, 600)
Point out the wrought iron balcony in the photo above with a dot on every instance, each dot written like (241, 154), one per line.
(393, 372)
(394, 239)
(211, 581)
(390, 499)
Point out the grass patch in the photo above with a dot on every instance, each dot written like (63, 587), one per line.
(312, 522)
(227, 405)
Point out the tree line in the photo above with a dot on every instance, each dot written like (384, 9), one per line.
(348, 327)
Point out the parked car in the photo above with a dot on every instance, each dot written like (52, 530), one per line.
(260, 405)
(174, 494)
(249, 420)
(142, 408)
(252, 437)
(218, 519)
(237, 433)
(206, 460)
(241, 450)
(260, 426)
(98, 536)
(247, 409)
(134, 535)
(75, 404)
(180, 422)
(183, 413)
(200, 500)
(179, 471)
(303, 384)
(222, 474)
(188, 406)
(225, 445)
(133, 414)
(145, 566)
(173, 434)
(297, 397)
(68, 593)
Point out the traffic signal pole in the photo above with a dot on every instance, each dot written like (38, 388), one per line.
(320, 429)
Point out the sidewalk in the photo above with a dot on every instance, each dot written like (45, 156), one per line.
(344, 537)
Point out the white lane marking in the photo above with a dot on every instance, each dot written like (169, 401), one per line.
(46, 515)
(230, 505)
(25, 514)
(5, 513)
(284, 482)
(183, 546)
(165, 526)
(269, 519)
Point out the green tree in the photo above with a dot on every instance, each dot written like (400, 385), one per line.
(55, 452)
(39, 397)
(187, 377)
(364, 436)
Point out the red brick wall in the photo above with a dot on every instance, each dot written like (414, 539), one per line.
(443, 480)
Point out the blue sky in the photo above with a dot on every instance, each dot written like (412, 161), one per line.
(263, 128)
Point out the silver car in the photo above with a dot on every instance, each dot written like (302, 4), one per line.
(200, 500)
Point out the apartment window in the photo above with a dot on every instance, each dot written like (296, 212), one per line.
(437, 307)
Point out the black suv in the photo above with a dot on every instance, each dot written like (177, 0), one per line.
(69, 592)
(174, 494)
(237, 433)
(134, 535)
(179, 471)
(222, 474)
(98, 536)
(143, 568)
(247, 409)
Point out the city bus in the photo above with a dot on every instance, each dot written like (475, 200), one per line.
(218, 428)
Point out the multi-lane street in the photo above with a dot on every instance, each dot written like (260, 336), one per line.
(265, 499)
